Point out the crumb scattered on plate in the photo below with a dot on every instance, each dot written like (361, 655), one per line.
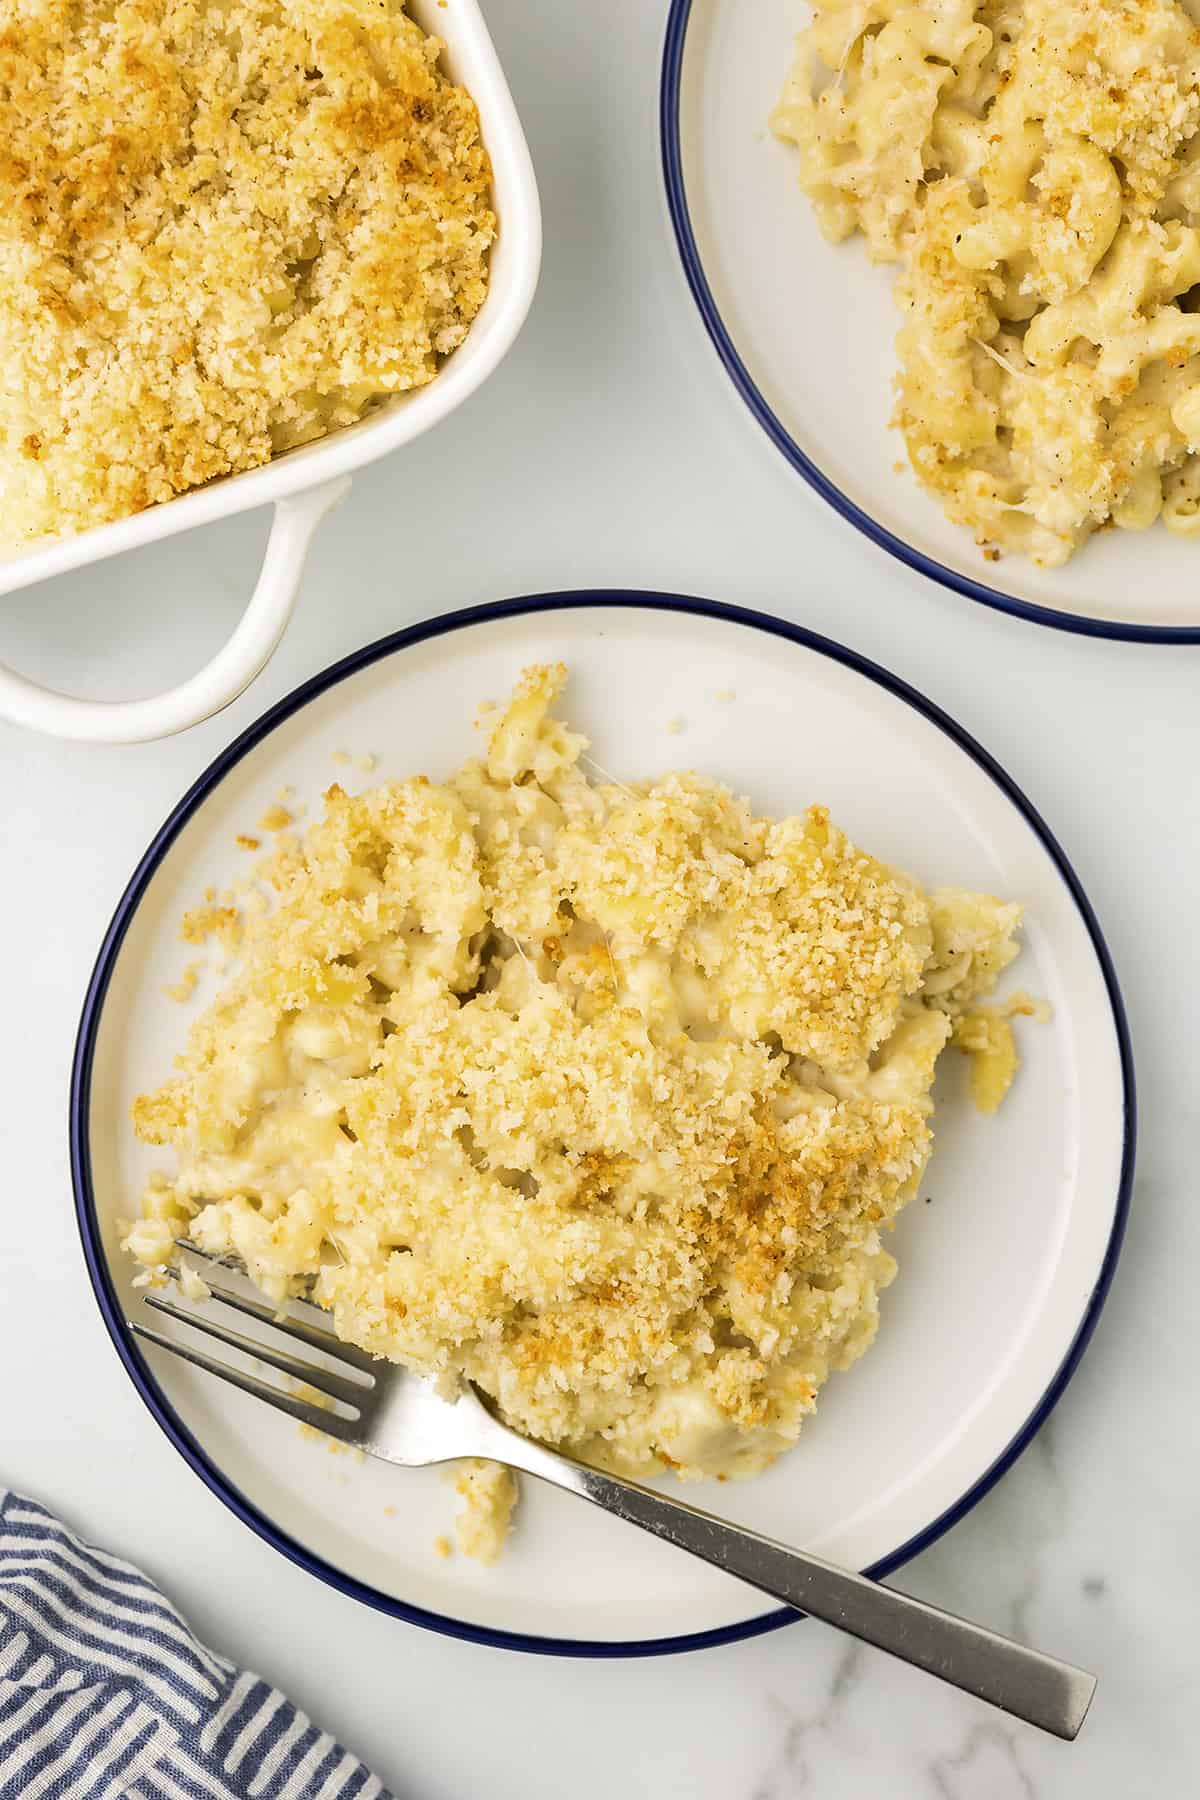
(182, 990)
(210, 921)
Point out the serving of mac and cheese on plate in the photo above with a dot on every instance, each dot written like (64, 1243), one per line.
(1033, 169)
(600, 1096)
(439, 1034)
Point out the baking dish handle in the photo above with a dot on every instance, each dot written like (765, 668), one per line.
(220, 681)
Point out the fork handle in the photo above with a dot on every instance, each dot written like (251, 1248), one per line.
(1039, 1689)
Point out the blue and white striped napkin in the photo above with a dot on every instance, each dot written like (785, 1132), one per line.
(106, 1695)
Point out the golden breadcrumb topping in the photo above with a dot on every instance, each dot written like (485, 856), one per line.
(599, 1096)
(228, 226)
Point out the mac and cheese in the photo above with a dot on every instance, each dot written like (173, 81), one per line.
(598, 1096)
(1033, 167)
(227, 227)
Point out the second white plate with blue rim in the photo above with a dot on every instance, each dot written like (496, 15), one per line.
(806, 331)
(1001, 1275)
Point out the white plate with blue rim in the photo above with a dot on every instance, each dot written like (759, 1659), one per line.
(806, 331)
(1002, 1273)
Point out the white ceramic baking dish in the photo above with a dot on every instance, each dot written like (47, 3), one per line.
(305, 484)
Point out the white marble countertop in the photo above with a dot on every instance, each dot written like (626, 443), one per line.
(609, 450)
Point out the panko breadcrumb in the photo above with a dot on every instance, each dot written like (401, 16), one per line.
(228, 226)
(598, 1096)
(182, 990)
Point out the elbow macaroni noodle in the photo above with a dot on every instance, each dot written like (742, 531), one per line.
(1033, 167)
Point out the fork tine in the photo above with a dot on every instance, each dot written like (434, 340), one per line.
(325, 1381)
(213, 1256)
(314, 1336)
(329, 1422)
(317, 1337)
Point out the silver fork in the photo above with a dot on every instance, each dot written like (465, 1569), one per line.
(386, 1412)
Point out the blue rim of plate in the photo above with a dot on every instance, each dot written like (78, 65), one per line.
(670, 93)
(85, 1048)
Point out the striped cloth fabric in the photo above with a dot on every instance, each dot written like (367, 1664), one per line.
(106, 1695)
